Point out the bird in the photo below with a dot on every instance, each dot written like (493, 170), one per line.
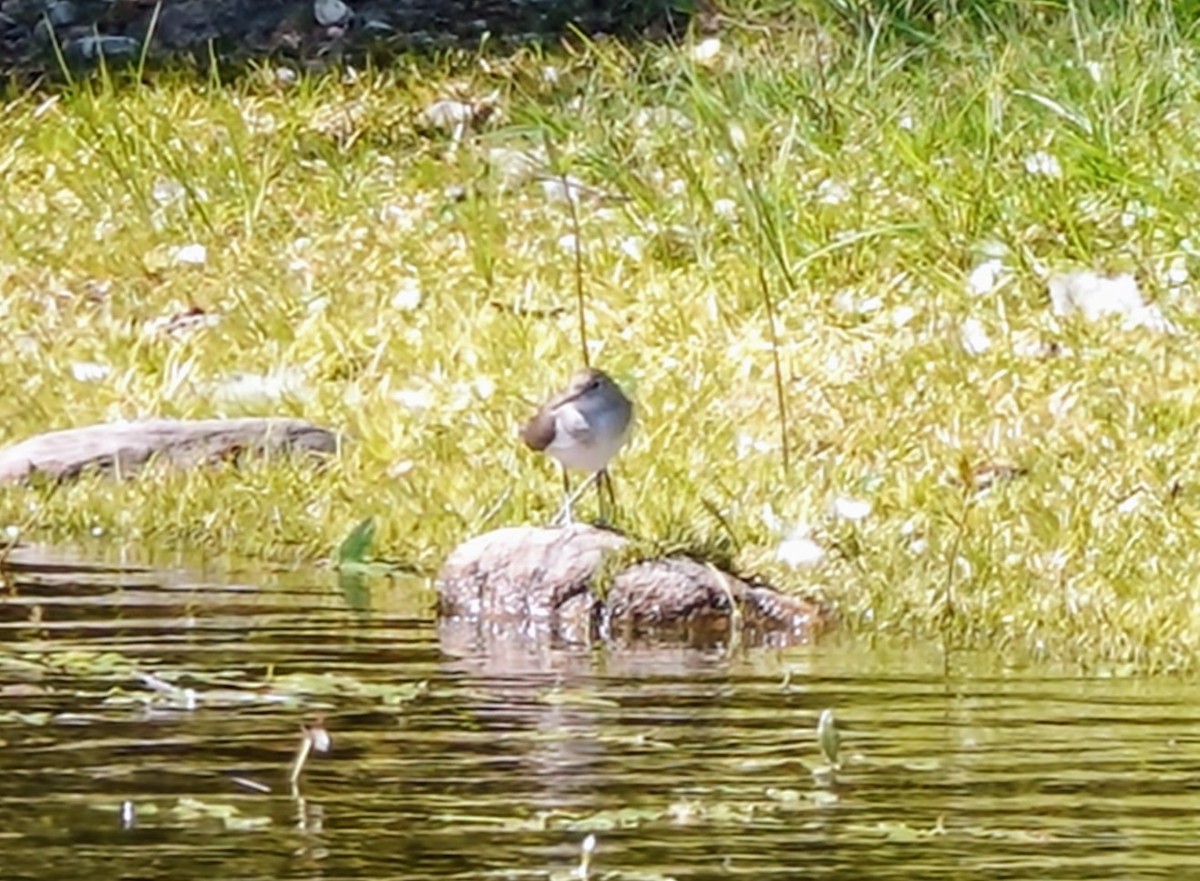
(583, 427)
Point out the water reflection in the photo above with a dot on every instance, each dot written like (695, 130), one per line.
(685, 764)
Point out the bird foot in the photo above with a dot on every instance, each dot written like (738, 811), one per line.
(564, 517)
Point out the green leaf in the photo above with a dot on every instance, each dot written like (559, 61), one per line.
(357, 544)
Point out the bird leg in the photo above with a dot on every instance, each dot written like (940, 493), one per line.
(565, 515)
(604, 482)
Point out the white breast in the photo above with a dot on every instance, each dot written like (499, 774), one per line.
(587, 442)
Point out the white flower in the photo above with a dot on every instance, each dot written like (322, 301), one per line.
(1135, 211)
(975, 339)
(851, 509)
(725, 209)
(190, 255)
(1151, 318)
(677, 187)
(166, 191)
(902, 315)
(706, 51)
(850, 303)
(1131, 504)
(748, 443)
(984, 277)
(416, 400)
(407, 296)
(1177, 272)
(485, 387)
(831, 193)
(89, 371)
(662, 117)
(1095, 296)
(558, 189)
(448, 113)
(1043, 163)
(1029, 344)
(401, 216)
(633, 247)
(799, 549)
(1092, 207)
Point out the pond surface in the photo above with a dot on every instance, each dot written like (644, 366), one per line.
(149, 720)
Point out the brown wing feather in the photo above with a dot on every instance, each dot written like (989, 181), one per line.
(538, 432)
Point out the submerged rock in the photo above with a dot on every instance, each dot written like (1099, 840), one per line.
(573, 585)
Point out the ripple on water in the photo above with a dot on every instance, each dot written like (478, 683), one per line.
(141, 710)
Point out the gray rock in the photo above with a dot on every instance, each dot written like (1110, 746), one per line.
(23, 11)
(331, 12)
(62, 13)
(123, 448)
(187, 23)
(96, 46)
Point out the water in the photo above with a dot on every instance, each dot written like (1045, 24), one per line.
(682, 764)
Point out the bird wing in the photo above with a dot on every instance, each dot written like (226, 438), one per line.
(574, 424)
(538, 432)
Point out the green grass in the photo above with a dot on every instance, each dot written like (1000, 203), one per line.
(817, 162)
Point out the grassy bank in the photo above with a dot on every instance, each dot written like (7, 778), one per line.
(821, 191)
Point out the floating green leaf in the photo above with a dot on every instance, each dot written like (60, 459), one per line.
(357, 544)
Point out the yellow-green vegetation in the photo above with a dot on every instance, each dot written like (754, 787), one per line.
(814, 189)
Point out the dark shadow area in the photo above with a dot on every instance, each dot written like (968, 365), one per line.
(33, 33)
(926, 22)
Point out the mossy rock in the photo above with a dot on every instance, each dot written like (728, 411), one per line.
(580, 584)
